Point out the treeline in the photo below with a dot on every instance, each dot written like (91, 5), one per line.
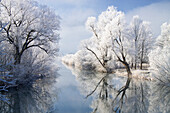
(116, 44)
(113, 39)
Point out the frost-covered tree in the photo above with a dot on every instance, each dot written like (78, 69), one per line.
(159, 99)
(100, 43)
(5, 64)
(141, 34)
(29, 34)
(109, 40)
(159, 57)
(30, 25)
(120, 40)
(5, 76)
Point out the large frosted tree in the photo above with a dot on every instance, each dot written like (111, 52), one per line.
(29, 25)
(159, 57)
(109, 37)
(30, 36)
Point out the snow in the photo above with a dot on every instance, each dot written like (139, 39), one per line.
(111, 38)
(160, 56)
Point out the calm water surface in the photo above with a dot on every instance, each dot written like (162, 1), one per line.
(75, 91)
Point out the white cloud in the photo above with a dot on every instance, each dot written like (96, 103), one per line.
(71, 38)
(65, 2)
(156, 13)
(73, 2)
(73, 28)
(76, 16)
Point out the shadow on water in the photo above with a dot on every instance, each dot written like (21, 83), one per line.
(115, 94)
(38, 97)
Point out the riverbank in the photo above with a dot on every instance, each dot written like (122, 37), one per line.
(136, 74)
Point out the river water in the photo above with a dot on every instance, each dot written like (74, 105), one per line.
(75, 91)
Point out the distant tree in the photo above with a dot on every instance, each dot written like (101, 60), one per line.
(142, 36)
(30, 25)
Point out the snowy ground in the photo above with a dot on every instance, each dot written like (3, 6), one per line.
(137, 74)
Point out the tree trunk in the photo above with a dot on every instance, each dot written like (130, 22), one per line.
(17, 56)
(16, 103)
(17, 59)
(132, 65)
(136, 53)
(141, 65)
(135, 65)
(127, 68)
(141, 58)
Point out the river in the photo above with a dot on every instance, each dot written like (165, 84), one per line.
(75, 91)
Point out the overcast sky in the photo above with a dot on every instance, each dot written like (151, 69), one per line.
(74, 14)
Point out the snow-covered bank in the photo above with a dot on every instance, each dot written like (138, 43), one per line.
(83, 60)
(136, 74)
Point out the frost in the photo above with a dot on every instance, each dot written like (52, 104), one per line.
(112, 43)
(160, 56)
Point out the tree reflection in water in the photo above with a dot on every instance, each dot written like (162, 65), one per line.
(36, 98)
(160, 98)
(111, 93)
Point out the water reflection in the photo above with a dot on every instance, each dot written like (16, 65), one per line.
(106, 93)
(117, 94)
(160, 98)
(36, 98)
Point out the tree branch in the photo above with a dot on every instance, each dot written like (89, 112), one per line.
(96, 86)
(94, 31)
(38, 45)
(96, 57)
(8, 36)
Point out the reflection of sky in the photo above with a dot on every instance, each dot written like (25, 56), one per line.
(69, 98)
(74, 14)
(70, 101)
